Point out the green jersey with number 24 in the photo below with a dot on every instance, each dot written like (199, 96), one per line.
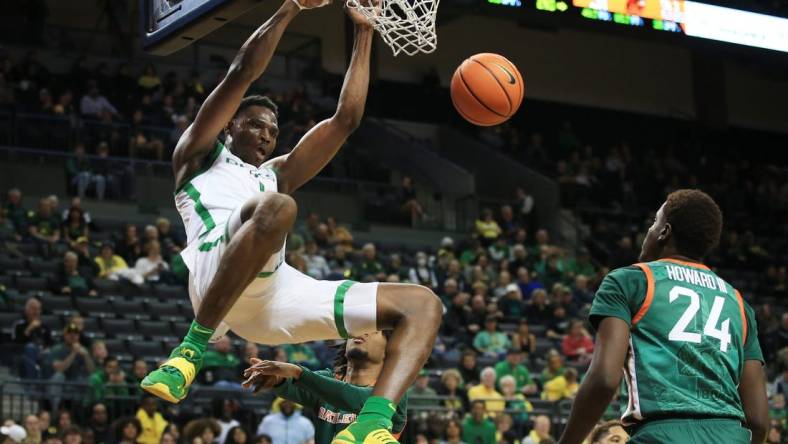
(690, 334)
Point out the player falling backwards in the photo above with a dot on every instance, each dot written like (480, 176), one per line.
(235, 204)
(685, 338)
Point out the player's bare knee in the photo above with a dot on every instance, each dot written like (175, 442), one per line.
(274, 214)
(423, 303)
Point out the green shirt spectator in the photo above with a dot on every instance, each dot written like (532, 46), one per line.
(512, 367)
(301, 354)
(220, 363)
(14, 210)
(369, 267)
(477, 429)
(490, 341)
(420, 390)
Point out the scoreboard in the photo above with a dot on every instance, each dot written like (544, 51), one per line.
(686, 17)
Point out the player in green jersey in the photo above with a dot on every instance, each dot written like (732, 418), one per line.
(685, 339)
(335, 395)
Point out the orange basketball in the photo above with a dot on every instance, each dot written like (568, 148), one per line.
(487, 89)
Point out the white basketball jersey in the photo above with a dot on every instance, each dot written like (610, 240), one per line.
(205, 202)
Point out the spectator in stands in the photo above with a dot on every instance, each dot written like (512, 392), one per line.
(554, 368)
(99, 352)
(74, 227)
(99, 423)
(236, 435)
(301, 354)
(148, 81)
(34, 335)
(538, 311)
(486, 391)
(558, 323)
(70, 281)
(80, 174)
(44, 227)
(452, 433)
(490, 341)
(487, 228)
(469, 368)
(8, 233)
(15, 211)
(139, 369)
(477, 428)
(152, 423)
(126, 430)
(316, 264)
(420, 390)
(523, 339)
(113, 267)
(288, 426)
(142, 139)
(581, 264)
(71, 362)
(33, 429)
(511, 304)
(561, 387)
(577, 345)
(100, 384)
(540, 432)
(451, 388)
(610, 432)
(369, 268)
(457, 318)
(221, 365)
(516, 404)
(96, 106)
(152, 265)
(409, 202)
(423, 273)
(130, 247)
(167, 236)
(513, 366)
(85, 263)
(222, 411)
(775, 433)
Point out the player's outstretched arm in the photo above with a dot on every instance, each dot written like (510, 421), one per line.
(753, 397)
(220, 106)
(601, 381)
(322, 142)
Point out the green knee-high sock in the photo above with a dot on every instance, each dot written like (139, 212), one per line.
(198, 336)
(377, 409)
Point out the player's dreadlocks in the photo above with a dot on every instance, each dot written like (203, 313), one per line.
(340, 361)
(696, 221)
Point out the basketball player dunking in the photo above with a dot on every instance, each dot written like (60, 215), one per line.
(235, 205)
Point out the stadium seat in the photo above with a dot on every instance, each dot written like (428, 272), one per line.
(117, 347)
(6, 280)
(7, 321)
(54, 322)
(44, 267)
(9, 265)
(543, 346)
(128, 307)
(156, 329)
(147, 350)
(94, 307)
(542, 407)
(120, 328)
(181, 328)
(106, 286)
(164, 310)
(170, 292)
(29, 283)
(58, 304)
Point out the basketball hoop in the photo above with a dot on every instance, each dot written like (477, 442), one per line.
(407, 26)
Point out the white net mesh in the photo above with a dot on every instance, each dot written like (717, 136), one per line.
(407, 26)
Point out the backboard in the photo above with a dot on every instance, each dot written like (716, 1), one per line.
(169, 25)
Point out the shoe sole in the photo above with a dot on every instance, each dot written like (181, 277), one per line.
(161, 391)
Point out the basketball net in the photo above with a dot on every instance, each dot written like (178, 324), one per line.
(407, 26)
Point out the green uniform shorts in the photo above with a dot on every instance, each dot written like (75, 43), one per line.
(691, 431)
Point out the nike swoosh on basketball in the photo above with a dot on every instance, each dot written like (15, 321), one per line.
(508, 73)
